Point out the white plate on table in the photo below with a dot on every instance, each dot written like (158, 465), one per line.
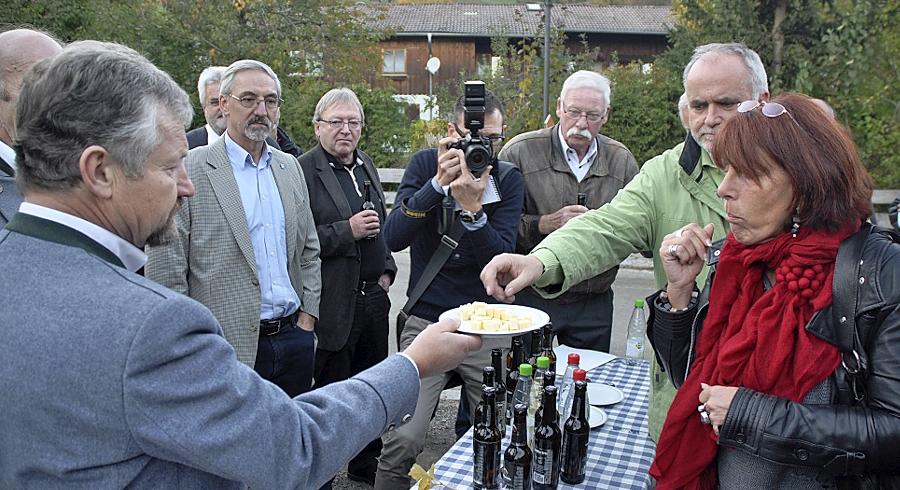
(538, 319)
(604, 394)
(598, 417)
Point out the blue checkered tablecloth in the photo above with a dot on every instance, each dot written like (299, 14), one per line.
(619, 452)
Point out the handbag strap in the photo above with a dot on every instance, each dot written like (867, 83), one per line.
(844, 307)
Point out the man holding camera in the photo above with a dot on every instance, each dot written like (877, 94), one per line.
(445, 199)
(568, 169)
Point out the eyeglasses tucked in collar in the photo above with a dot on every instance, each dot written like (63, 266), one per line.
(252, 101)
(768, 109)
(575, 114)
(353, 124)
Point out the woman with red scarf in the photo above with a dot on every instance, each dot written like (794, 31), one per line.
(764, 398)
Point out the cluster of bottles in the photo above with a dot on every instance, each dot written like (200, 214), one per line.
(540, 452)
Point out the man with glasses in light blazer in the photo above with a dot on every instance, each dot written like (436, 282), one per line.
(247, 246)
(559, 164)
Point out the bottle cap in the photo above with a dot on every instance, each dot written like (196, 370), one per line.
(574, 358)
(639, 303)
(579, 375)
(543, 362)
(497, 352)
(525, 369)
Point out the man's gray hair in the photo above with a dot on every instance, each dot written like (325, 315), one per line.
(587, 79)
(682, 106)
(338, 96)
(209, 75)
(92, 93)
(241, 65)
(759, 81)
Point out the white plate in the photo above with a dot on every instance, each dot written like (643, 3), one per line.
(538, 320)
(603, 394)
(598, 417)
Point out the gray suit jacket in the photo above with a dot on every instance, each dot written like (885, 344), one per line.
(213, 259)
(9, 197)
(110, 380)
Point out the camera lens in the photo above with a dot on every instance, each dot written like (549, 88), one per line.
(478, 157)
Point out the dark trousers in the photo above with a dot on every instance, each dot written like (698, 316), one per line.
(287, 359)
(366, 346)
(585, 324)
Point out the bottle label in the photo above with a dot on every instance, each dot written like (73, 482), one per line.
(573, 457)
(486, 465)
(543, 466)
(501, 414)
(514, 477)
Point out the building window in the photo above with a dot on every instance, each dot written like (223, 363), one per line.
(306, 64)
(394, 61)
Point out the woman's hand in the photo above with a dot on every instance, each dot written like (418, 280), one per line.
(683, 254)
(717, 400)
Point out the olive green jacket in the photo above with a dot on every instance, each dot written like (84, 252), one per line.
(662, 198)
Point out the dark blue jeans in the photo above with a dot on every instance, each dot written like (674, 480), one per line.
(287, 359)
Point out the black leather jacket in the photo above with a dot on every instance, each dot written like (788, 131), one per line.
(857, 443)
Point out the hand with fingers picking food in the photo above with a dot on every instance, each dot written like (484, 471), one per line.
(683, 254)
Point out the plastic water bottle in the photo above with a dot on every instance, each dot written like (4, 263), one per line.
(637, 331)
(522, 396)
(572, 364)
(577, 375)
(537, 385)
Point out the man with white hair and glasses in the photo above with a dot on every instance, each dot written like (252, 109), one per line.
(247, 246)
(672, 190)
(569, 169)
(208, 91)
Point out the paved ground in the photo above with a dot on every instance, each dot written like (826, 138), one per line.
(635, 280)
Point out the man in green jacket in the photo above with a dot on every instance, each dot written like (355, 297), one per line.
(672, 190)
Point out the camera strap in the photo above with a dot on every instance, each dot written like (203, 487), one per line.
(449, 242)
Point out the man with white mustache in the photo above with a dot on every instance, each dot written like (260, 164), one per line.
(569, 169)
(248, 248)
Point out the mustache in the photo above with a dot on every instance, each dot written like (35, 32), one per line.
(260, 120)
(584, 133)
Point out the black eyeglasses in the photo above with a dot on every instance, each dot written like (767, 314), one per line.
(494, 139)
(353, 124)
(575, 114)
(768, 109)
(252, 101)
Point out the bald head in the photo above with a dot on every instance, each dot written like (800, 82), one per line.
(20, 49)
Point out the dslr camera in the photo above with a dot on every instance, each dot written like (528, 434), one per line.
(478, 150)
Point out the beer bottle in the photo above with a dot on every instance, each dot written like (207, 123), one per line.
(549, 380)
(512, 377)
(575, 439)
(547, 345)
(581, 199)
(487, 379)
(367, 202)
(486, 443)
(500, 385)
(517, 457)
(547, 442)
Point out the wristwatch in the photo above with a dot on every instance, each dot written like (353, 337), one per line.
(469, 216)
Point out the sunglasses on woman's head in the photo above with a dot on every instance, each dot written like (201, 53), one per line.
(768, 109)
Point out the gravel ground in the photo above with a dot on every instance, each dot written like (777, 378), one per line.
(439, 439)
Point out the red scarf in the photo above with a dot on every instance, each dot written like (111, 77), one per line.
(754, 339)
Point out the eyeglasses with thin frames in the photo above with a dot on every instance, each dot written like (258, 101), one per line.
(353, 124)
(252, 102)
(575, 114)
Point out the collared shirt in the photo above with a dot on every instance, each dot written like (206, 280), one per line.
(579, 167)
(8, 154)
(132, 257)
(211, 136)
(265, 222)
